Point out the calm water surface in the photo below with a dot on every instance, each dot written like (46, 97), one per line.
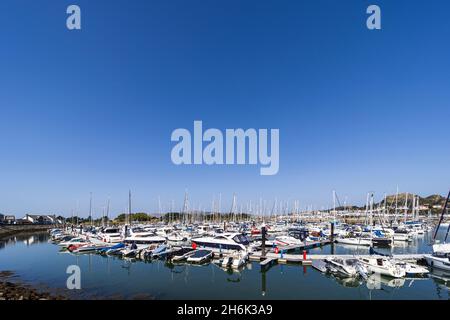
(38, 262)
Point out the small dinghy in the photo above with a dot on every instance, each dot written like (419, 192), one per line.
(199, 256)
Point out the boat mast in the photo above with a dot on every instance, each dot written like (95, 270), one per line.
(90, 206)
(334, 206)
(442, 218)
(107, 212)
(406, 207)
(129, 208)
(396, 205)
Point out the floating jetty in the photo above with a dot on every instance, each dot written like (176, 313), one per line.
(305, 246)
(271, 257)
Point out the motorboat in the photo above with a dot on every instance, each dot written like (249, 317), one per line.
(287, 241)
(111, 249)
(110, 235)
(176, 239)
(383, 266)
(347, 267)
(146, 238)
(74, 241)
(411, 269)
(183, 254)
(355, 241)
(234, 260)
(155, 251)
(200, 256)
(86, 248)
(225, 242)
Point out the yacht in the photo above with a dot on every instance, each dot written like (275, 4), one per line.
(176, 239)
(144, 239)
(224, 242)
(111, 235)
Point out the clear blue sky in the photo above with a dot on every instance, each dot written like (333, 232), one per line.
(93, 110)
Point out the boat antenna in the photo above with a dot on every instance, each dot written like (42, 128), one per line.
(442, 218)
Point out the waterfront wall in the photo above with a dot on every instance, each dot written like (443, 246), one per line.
(11, 229)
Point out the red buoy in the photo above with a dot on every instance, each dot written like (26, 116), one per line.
(194, 245)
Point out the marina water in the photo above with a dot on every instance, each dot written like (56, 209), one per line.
(36, 261)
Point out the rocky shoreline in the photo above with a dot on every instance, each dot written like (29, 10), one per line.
(13, 290)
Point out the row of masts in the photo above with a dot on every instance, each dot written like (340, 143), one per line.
(262, 211)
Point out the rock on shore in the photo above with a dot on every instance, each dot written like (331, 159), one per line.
(17, 291)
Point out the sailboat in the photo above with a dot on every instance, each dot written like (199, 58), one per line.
(441, 251)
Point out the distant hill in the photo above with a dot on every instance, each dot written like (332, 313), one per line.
(430, 201)
(433, 202)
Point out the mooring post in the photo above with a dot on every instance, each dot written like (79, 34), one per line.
(263, 242)
(332, 232)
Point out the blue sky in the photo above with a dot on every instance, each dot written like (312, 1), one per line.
(93, 110)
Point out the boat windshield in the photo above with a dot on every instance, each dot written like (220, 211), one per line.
(241, 239)
(112, 231)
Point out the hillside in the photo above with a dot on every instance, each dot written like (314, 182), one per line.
(433, 202)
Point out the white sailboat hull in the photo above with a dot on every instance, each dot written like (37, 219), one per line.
(437, 262)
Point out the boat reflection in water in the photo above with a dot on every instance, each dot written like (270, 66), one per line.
(441, 277)
(346, 282)
(376, 282)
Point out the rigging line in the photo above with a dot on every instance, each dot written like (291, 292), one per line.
(442, 218)
(443, 210)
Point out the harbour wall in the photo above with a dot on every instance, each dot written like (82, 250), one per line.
(10, 229)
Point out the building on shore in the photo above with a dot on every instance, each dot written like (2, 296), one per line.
(41, 219)
(7, 219)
